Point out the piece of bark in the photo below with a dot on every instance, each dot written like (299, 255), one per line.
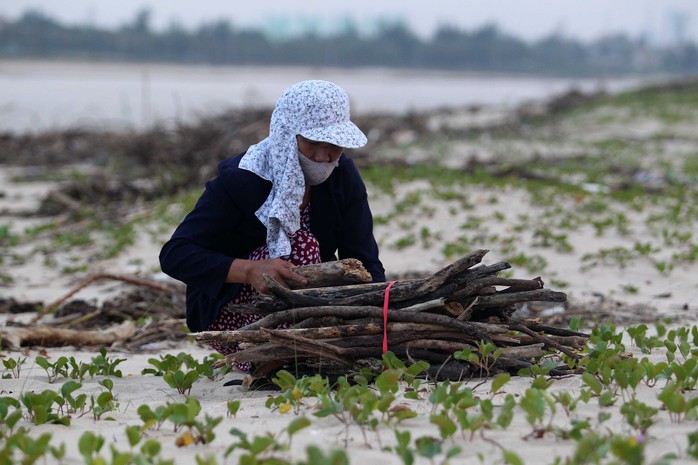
(44, 336)
(335, 273)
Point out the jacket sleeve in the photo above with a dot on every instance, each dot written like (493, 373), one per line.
(196, 253)
(356, 237)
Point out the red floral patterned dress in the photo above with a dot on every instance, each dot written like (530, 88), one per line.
(305, 250)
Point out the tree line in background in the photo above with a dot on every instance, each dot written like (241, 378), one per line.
(488, 49)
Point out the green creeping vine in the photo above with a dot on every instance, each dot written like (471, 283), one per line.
(393, 399)
(68, 367)
(170, 368)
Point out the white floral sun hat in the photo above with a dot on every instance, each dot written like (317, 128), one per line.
(317, 110)
(321, 112)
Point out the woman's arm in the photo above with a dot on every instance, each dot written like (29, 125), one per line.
(206, 248)
(356, 237)
(196, 253)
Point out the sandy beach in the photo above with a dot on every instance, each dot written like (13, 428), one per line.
(624, 255)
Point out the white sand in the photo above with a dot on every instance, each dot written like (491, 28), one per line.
(254, 418)
(491, 220)
(35, 281)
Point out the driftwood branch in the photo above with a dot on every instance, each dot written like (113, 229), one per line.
(297, 314)
(100, 277)
(16, 337)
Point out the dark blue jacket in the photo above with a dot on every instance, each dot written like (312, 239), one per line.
(223, 226)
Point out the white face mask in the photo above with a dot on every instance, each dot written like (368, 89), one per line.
(315, 172)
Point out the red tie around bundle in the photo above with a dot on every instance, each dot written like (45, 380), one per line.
(386, 301)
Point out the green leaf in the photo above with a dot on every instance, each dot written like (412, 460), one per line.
(297, 425)
(593, 383)
(284, 380)
(133, 433)
(233, 407)
(261, 443)
(428, 446)
(12, 419)
(387, 381)
(499, 381)
(190, 378)
(104, 398)
(151, 448)
(170, 380)
(446, 426)
(69, 387)
(606, 399)
(145, 413)
(512, 458)
(180, 414)
(42, 362)
(90, 444)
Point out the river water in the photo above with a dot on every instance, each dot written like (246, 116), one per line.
(42, 95)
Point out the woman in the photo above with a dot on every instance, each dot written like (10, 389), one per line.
(293, 199)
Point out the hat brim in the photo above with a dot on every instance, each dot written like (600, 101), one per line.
(346, 135)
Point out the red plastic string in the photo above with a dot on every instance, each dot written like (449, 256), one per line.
(386, 301)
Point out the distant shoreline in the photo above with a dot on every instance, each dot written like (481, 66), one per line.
(58, 94)
(401, 71)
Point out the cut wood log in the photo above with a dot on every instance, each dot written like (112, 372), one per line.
(336, 273)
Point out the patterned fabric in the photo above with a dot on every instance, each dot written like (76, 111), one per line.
(317, 110)
(305, 250)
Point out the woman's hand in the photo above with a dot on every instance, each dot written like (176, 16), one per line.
(252, 272)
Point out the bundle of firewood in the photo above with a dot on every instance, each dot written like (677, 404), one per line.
(340, 328)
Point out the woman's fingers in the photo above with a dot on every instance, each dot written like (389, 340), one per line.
(289, 275)
(277, 269)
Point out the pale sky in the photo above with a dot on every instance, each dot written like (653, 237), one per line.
(529, 19)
